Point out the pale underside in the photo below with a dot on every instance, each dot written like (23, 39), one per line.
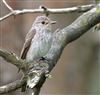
(40, 45)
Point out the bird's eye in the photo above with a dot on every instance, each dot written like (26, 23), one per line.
(43, 22)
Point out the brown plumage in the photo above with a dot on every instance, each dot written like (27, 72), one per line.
(27, 43)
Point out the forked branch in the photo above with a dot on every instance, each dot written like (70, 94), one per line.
(12, 12)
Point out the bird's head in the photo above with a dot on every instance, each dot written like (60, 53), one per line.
(44, 22)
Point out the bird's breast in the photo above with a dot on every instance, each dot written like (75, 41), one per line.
(40, 45)
(43, 42)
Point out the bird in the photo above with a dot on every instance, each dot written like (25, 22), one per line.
(38, 40)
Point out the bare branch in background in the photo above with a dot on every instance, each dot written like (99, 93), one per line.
(8, 6)
(83, 8)
(11, 86)
(13, 59)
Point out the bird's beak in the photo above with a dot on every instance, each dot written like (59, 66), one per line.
(53, 22)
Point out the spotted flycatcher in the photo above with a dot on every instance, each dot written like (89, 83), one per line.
(38, 40)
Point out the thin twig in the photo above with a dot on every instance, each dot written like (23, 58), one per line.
(78, 9)
(13, 59)
(7, 5)
(12, 86)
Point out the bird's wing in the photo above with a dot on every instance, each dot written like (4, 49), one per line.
(28, 39)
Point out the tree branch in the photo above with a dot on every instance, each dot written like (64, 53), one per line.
(7, 6)
(83, 8)
(11, 86)
(72, 32)
(13, 59)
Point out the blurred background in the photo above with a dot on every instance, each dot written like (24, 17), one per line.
(78, 69)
